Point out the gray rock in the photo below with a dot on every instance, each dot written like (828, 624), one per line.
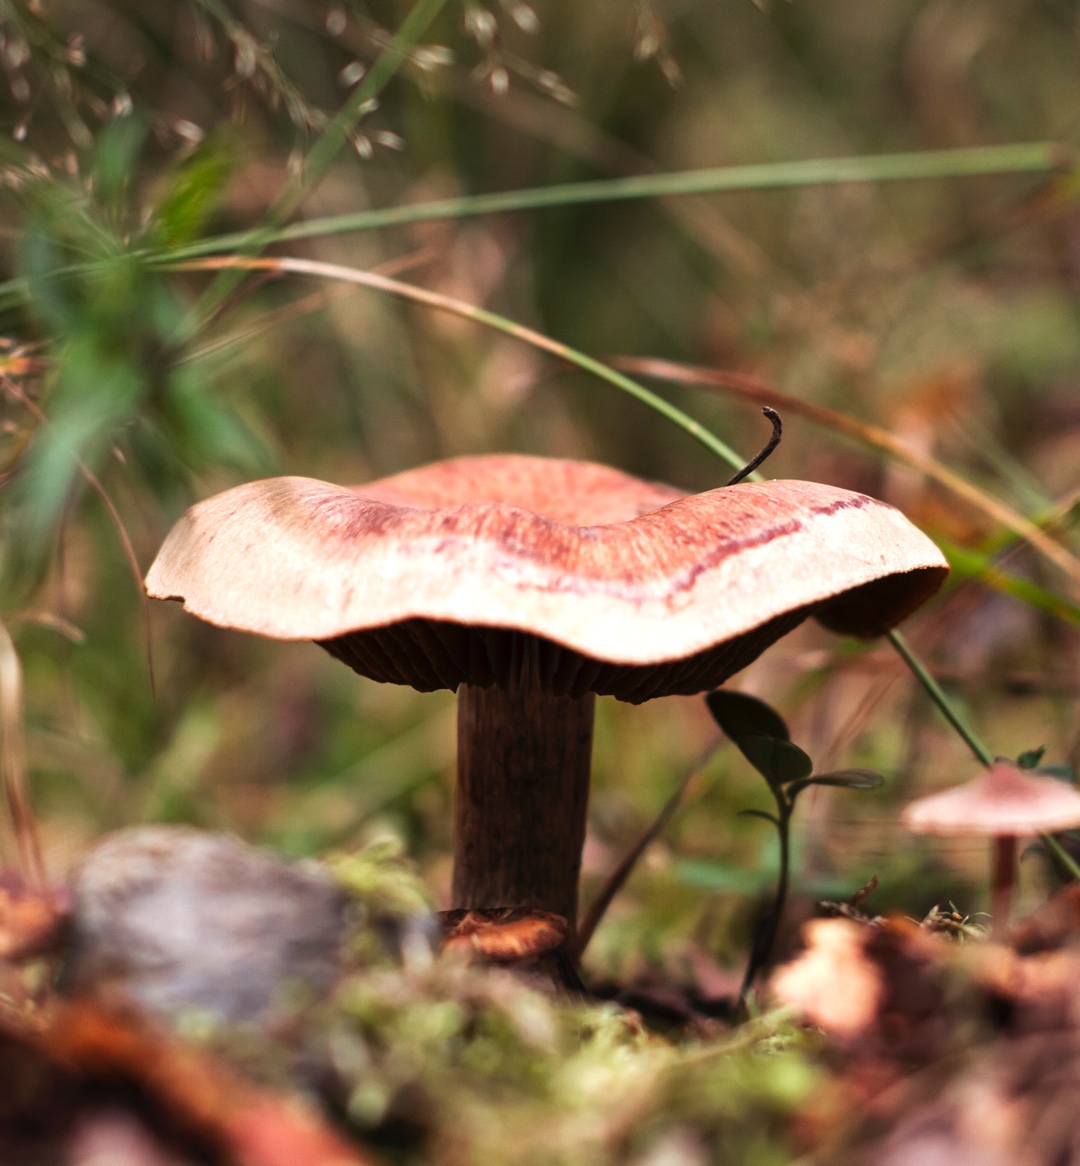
(179, 921)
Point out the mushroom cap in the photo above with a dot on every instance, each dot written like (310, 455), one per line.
(476, 570)
(1005, 800)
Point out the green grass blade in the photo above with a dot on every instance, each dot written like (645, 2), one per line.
(971, 564)
(1029, 158)
(937, 695)
(1026, 158)
(336, 134)
(319, 158)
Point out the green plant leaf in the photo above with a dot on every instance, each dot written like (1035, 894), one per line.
(738, 714)
(760, 814)
(778, 761)
(843, 778)
(1030, 758)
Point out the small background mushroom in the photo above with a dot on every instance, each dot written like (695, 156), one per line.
(1004, 804)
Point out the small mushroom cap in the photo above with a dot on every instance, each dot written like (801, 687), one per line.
(1005, 800)
(503, 935)
(671, 593)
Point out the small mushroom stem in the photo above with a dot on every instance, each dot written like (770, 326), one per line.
(522, 795)
(1002, 879)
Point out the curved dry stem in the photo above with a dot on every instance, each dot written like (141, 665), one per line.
(616, 880)
(751, 389)
(765, 451)
(288, 265)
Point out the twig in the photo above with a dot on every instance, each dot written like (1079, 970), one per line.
(770, 445)
(622, 872)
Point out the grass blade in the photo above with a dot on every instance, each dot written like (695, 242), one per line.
(937, 695)
(1023, 158)
(614, 882)
(419, 295)
(326, 148)
(972, 564)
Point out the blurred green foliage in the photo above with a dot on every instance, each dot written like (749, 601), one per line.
(118, 378)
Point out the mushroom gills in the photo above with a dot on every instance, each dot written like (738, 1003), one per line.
(429, 654)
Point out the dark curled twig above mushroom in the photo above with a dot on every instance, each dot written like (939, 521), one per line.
(766, 449)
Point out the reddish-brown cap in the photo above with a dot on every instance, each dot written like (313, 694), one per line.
(503, 935)
(477, 569)
(1005, 800)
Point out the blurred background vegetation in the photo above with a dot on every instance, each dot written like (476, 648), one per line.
(943, 310)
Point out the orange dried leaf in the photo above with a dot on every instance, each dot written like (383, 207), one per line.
(32, 921)
(79, 1048)
(833, 983)
(503, 935)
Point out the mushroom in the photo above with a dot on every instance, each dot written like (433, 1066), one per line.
(531, 585)
(1005, 803)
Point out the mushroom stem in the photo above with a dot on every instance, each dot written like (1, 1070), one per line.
(522, 796)
(1002, 879)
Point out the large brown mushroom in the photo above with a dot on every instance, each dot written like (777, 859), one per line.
(532, 584)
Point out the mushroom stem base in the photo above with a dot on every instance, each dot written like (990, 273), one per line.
(522, 796)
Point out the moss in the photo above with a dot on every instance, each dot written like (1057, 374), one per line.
(435, 1060)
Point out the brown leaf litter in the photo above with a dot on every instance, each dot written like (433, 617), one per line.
(965, 1053)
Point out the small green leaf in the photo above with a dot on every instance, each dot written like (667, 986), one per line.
(760, 814)
(738, 714)
(1030, 758)
(776, 760)
(850, 778)
(844, 778)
